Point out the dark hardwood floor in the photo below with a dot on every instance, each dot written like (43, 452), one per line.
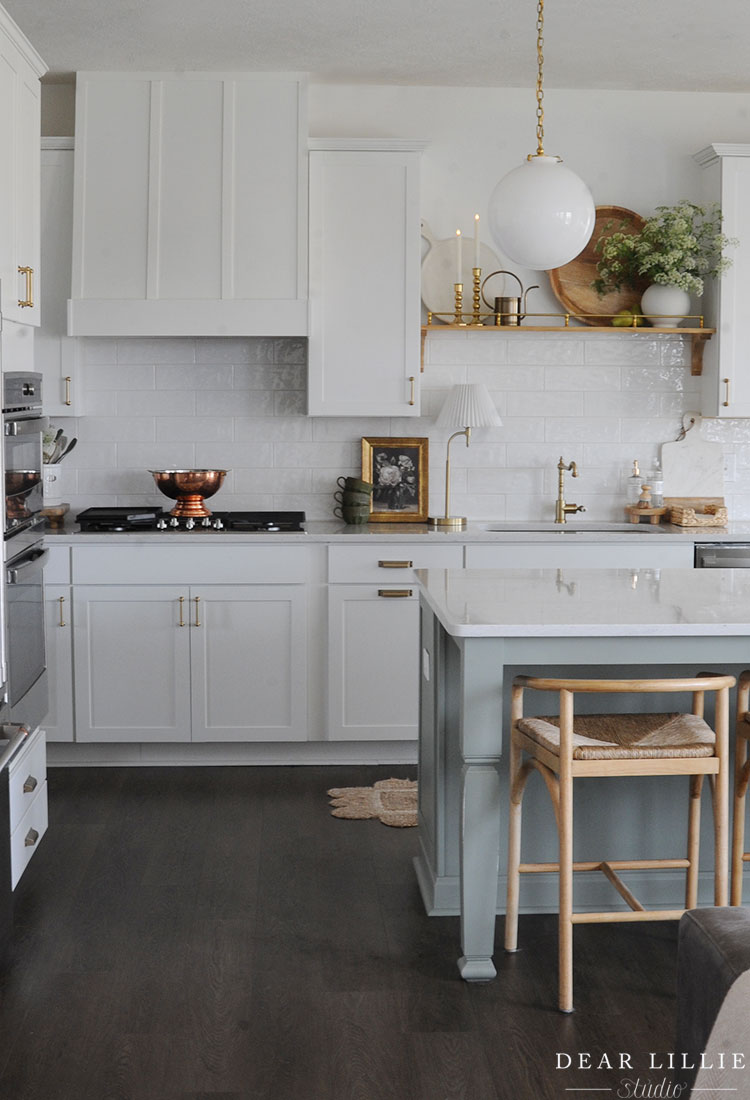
(214, 934)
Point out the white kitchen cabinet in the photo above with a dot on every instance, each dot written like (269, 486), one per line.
(59, 636)
(20, 128)
(373, 638)
(190, 205)
(364, 348)
(192, 659)
(573, 553)
(132, 663)
(56, 354)
(726, 361)
(27, 792)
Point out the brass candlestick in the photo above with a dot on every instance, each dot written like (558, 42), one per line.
(459, 316)
(475, 315)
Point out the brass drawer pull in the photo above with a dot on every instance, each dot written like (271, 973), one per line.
(29, 300)
(395, 564)
(411, 391)
(61, 601)
(726, 392)
(31, 784)
(68, 380)
(31, 838)
(197, 601)
(395, 593)
(182, 611)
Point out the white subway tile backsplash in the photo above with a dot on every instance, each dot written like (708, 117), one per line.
(155, 403)
(240, 404)
(163, 349)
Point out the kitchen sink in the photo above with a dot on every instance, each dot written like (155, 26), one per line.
(572, 527)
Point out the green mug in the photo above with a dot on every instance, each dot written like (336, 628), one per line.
(354, 484)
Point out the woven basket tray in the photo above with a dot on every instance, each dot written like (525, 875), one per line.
(715, 515)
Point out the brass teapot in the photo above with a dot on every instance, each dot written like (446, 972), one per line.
(508, 310)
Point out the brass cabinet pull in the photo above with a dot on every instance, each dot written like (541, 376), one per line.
(29, 273)
(68, 380)
(182, 609)
(31, 784)
(31, 838)
(726, 392)
(411, 392)
(395, 564)
(394, 593)
(197, 601)
(61, 620)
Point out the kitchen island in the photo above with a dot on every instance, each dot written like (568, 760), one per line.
(480, 627)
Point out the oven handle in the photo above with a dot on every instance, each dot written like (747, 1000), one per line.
(22, 732)
(26, 427)
(38, 557)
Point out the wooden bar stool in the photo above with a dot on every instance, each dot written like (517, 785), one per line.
(741, 776)
(636, 744)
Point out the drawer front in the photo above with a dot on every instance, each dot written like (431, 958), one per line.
(27, 775)
(389, 564)
(572, 554)
(181, 564)
(57, 566)
(25, 838)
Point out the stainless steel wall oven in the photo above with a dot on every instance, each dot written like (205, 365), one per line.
(23, 546)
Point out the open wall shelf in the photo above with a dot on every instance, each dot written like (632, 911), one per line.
(698, 336)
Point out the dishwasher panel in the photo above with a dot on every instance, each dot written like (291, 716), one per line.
(722, 555)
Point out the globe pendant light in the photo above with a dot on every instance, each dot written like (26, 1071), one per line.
(541, 215)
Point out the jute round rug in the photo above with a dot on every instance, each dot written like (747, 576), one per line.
(393, 801)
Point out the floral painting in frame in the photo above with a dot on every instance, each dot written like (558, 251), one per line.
(398, 470)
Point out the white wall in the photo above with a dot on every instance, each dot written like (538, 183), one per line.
(600, 401)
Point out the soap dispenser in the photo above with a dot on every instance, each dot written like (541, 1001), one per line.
(633, 484)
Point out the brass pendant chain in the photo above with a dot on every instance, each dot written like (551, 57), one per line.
(540, 79)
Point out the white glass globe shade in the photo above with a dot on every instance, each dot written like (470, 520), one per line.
(541, 214)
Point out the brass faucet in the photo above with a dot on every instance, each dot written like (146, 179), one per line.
(563, 510)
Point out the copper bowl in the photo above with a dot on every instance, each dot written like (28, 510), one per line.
(18, 485)
(188, 488)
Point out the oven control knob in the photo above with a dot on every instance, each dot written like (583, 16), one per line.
(206, 521)
(161, 524)
(218, 525)
(174, 522)
(189, 524)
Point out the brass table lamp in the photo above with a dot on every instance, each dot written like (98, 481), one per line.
(470, 405)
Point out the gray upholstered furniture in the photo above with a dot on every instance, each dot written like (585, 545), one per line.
(713, 1000)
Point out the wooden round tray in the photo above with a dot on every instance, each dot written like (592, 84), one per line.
(571, 284)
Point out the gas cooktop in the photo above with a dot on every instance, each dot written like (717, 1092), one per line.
(150, 518)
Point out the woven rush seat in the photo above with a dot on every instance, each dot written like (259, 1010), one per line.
(626, 736)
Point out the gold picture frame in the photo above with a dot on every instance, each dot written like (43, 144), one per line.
(399, 472)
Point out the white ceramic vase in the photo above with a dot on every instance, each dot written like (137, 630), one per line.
(665, 306)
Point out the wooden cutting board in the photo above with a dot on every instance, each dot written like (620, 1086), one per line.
(693, 467)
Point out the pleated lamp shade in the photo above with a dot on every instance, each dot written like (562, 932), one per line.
(468, 405)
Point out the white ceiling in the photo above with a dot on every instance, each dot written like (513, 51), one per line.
(678, 45)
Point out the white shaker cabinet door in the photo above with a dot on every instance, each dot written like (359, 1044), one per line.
(132, 664)
(249, 662)
(373, 680)
(20, 129)
(56, 354)
(364, 351)
(726, 360)
(59, 723)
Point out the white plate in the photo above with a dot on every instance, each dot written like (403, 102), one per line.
(439, 275)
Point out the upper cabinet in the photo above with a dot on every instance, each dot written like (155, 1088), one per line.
(190, 205)
(364, 353)
(20, 128)
(726, 374)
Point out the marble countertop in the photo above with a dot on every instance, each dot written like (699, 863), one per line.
(507, 531)
(589, 602)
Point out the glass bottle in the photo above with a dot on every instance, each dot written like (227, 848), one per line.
(633, 485)
(656, 481)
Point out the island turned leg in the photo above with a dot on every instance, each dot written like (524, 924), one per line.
(480, 687)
